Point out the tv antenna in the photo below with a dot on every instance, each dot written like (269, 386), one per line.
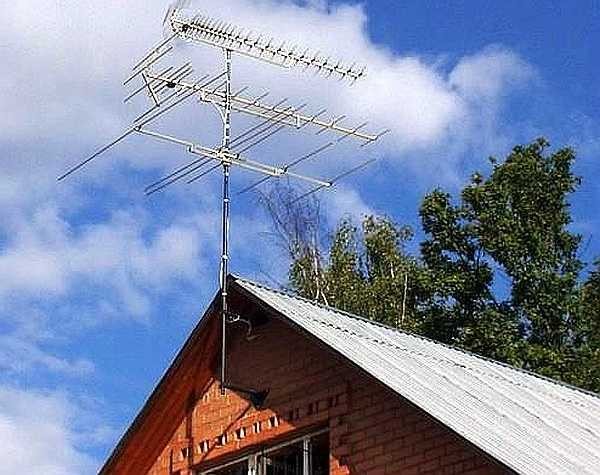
(169, 86)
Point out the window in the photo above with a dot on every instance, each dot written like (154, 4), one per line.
(319, 455)
(308, 455)
(288, 460)
(237, 469)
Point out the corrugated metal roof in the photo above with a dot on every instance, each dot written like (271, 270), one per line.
(531, 424)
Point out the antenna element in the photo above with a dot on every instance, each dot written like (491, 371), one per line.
(170, 85)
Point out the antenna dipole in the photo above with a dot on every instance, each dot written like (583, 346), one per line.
(168, 87)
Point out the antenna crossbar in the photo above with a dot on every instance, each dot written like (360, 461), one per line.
(230, 159)
(291, 118)
(255, 166)
(334, 180)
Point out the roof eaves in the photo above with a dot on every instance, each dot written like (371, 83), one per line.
(290, 294)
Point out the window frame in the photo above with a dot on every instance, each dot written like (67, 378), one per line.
(256, 466)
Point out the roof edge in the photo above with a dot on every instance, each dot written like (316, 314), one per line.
(317, 340)
(146, 407)
(291, 294)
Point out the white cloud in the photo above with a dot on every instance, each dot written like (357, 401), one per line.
(19, 354)
(46, 256)
(490, 73)
(347, 202)
(87, 48)
(37, 432)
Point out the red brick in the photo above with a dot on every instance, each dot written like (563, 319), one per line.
(373, 431)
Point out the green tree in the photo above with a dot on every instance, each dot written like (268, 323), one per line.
(514, 223)
(586, 368)
(516, 220)
(520, 216)
(367, 272)
(458, 305)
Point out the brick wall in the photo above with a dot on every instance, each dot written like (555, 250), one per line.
(372, 430)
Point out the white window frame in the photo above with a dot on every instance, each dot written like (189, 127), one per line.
(257, 464)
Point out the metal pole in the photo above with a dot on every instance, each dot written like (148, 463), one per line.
(225, 219)
(306, 456)
(404, 298)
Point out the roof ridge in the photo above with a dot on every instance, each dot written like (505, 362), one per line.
(293, 295)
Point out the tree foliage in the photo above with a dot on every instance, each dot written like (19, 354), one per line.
(498, 271)
(367, 274)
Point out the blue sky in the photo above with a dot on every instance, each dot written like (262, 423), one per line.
(99, 285)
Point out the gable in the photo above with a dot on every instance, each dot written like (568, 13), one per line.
(529, 423)
(220, 428)
(311, 388)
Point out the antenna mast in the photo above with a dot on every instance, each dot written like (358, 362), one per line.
(168, 87)
(225, 220)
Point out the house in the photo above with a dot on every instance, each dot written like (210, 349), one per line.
(325, 392)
